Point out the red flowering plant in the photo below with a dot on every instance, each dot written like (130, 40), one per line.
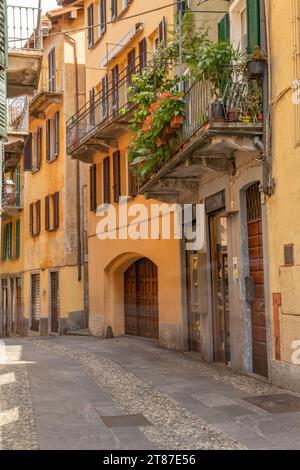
(151, 119)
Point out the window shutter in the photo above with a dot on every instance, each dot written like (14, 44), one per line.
(132, 183)
(104, 96)
(3, 35)
(48, 140)
(51, 70)
(38, 217)
(224, 29)
(31, 219)
(143, 53)
(114, 9)
(162, 30)
(4, 242)
(91, 24)
(93, 188)
(102, 16)
(39, 147)
(115, 89)
(3, 114)
(117, 175)
(28, 153)
(92, 106)
(253, 24)
(9, 227)
(106, 180)
(18, 235)
(47, 213)
(56, 210)
(56, 133)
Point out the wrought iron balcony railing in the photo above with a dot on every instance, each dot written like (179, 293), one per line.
(24, 28)
(12, 200)
(109, 104)
(18, 115)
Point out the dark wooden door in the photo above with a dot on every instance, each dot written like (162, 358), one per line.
(141, 299)
(54, 288)
(19, 306)
(258, 314)
(220, 292)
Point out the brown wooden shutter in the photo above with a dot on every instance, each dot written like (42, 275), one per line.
(28, 153)
(104, 96)
(162, 30)
(92, 106)
(56, 133)
(38, 217)
(102, 16)
(51, 70)
(39, 148)
(130, 66)
(115, 90)
(48, 140)
(114, 9)
(31, 219)
(106, 180)
(132, 183)
(93, 188)
(117, 175)
(56, 210)
(47, 213)
(90, 11)
(143, 53)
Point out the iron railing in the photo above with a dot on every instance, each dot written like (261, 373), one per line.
(24, 28)
(12, 200)
(18, 115)
(111, 102)
(235, 100)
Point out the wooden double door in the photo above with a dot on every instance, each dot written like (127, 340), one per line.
(141, 299)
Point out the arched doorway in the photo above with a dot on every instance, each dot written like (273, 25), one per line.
(141, 299)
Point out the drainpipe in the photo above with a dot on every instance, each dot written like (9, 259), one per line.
(265, 46)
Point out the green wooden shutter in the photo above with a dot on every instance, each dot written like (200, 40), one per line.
(4, 242)
(224, 29)
(3, 34)
(18, 233)
(3, 118)
(9, 238)
(253, 24)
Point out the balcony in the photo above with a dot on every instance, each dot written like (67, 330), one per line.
(101, 121)
(17, 130)
(50, 91)
(11, 199)
(205, 144)
(24, 50)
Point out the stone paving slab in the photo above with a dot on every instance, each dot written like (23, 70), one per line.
(53, 397)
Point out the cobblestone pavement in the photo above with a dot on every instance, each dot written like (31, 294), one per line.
(128, 393)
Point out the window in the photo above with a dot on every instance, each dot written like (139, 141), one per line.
(114, 9)
(104, 96)
(91, 25)
(35, 218)
(106, 180)
(93, 188)
(52, 138)
(143, 53)
(115, 90)
(92, 106)
(102, 17)
(51, 70)
(224, 29)
(37, 147)
(162, 30)
(52, 212)
(117, 176)
(35, 302)
(28, 153)
(253, 24)
(7, 241)
(182, 5)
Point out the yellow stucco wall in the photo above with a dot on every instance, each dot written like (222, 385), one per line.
(283, 206)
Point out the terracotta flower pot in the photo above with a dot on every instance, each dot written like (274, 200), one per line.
(260, 117)
(176, 122)
(168, 133)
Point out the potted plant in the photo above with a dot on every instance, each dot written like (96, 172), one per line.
(256, 64)
(214, 65)
(254, 100)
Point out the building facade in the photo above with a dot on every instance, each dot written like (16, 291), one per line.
(42, 266)
(283, 231)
